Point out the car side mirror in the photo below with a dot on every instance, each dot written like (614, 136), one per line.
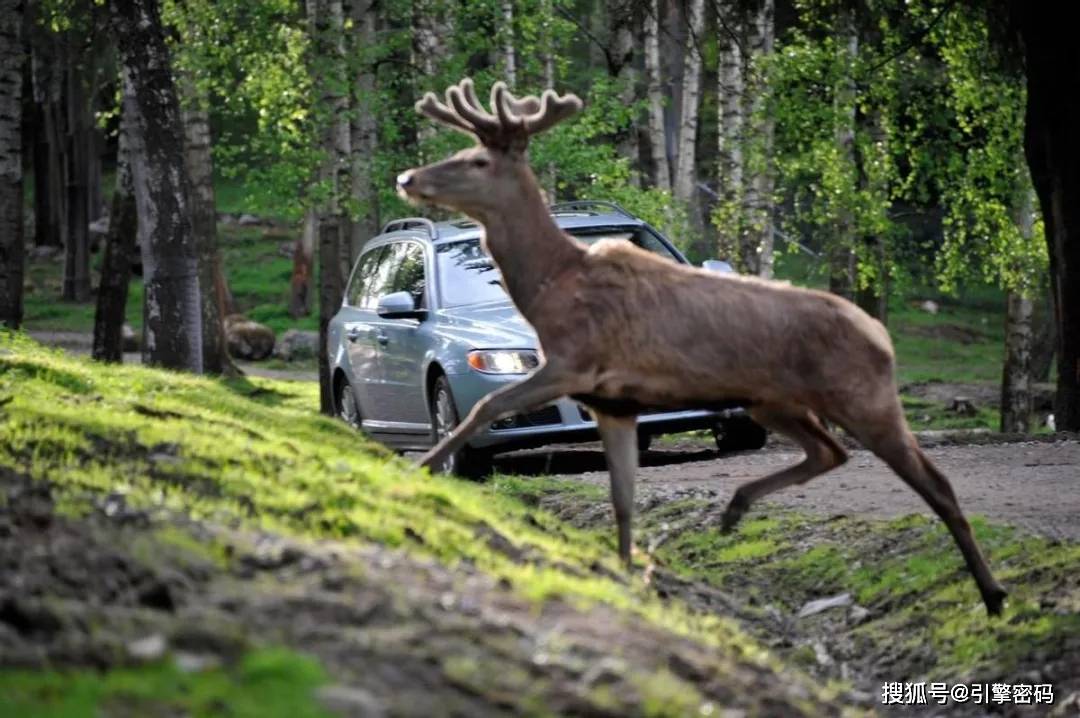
(717, 265)
(399, 305)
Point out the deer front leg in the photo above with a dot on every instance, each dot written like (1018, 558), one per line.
(545, 384)
(619, 435)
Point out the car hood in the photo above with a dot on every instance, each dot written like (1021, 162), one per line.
(489, 326)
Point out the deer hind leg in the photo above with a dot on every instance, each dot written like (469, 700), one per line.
(894, 443)
(822, 454)
(619, 435)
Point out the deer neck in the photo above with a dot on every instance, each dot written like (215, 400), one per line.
(526, 244)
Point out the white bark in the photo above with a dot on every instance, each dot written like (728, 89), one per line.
(757, 244)
(655, 92)
(730, 92)
(685, 180)
(509, 53)
(842, 267)
(1016, 375)
(364, 137)
(432, 31)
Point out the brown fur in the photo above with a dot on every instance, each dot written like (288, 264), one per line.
(623, 330)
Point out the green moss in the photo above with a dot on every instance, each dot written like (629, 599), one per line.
(910, 575)
(269, 683)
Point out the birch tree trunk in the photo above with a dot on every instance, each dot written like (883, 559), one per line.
(200, 169)
(303, 268)
(172, 319)
(730, 92)
(1016, 375)
(685, 180)
(757, 242)
(12, 57)
(655, 92)
(432, 29)
(508, 51)
(364, 136)
(120, 247)
(548, 176)
(841, 252)
(326, 20)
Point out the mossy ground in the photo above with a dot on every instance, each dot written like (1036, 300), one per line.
(919, 615)
(171, 472)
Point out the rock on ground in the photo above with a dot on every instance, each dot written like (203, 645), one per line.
(248, 339)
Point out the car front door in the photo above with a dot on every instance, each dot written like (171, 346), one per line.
(359, 327)
(401, 355)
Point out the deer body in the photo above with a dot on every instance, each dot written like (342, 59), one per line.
(623, 331)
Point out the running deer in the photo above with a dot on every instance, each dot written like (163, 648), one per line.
(624, 331)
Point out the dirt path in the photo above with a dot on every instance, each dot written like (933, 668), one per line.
(1031, 485)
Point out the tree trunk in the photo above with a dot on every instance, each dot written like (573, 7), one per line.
(655, 92)
(685, 181)
(1016, 377)
(172, 317)
(509, 54)
(303, 268)
(1044, 339)
(49, 213)
(326, 21)
(12, 260)
(432, 30)
(76, 287)
(549, 175)
(120, 247)
(200, 169)
(620, 61)
(1053, 114)
(364, 141)
(730, 92)
(757, 243)
(841, 252)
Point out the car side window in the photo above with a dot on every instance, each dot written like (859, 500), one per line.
(381, 277)
(362, 275)
(410, 275)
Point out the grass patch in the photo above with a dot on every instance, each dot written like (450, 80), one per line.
(911, 577)
(270, 683)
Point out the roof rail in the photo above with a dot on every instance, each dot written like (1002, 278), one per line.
(399, 225)
(590, 206)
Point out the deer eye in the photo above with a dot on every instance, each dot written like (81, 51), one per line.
(480, 162)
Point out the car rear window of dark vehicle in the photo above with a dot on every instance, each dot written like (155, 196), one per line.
(468, 276)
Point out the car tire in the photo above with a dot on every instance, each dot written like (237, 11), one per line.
(346, 406)
(467, 462)
(739, 433)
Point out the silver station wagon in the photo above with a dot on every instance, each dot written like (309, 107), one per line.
(426, 330)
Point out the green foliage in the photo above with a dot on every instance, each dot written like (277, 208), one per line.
(269, 683)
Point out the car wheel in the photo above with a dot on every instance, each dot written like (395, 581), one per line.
(467, 462)
(739, 433)
(348, 409)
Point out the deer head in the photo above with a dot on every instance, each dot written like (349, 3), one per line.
(493, 174)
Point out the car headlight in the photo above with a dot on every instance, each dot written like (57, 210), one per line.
(504, 361)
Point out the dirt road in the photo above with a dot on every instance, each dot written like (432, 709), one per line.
(1032, 485)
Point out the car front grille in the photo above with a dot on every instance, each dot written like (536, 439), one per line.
(541, 417)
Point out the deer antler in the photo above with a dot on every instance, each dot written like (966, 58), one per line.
(514, 120)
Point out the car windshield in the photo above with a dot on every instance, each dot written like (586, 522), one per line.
(468, 276)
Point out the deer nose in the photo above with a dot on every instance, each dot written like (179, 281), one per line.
(405, 179)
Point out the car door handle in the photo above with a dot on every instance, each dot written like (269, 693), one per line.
(382, 339)
(353, 334)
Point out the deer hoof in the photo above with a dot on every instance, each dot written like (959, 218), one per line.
(995, 601)
(733, 514)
